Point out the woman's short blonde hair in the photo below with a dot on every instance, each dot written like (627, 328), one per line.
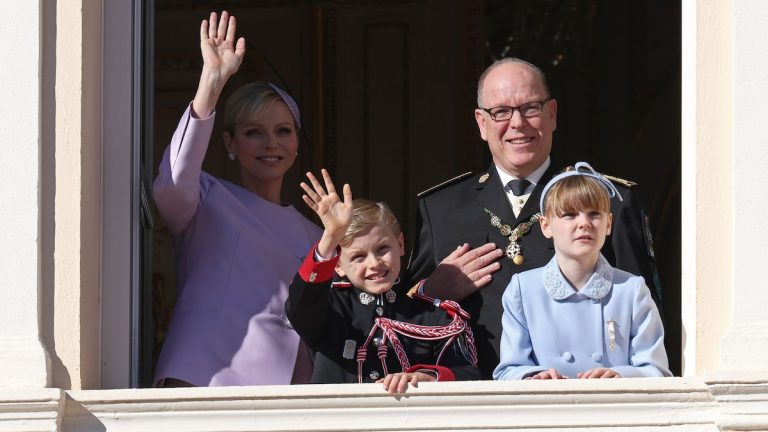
(367, 214)
(249, 101)
(576, 193)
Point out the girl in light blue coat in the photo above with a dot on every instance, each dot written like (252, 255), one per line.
(578, 317)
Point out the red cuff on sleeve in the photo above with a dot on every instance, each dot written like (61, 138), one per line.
(443, 373)
(317, 272)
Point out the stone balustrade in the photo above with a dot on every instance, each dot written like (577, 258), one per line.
(721, 402)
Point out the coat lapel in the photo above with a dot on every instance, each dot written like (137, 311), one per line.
(491, 196)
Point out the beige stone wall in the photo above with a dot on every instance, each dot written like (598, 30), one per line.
(707, 149)
(76, 258)
(744, 345)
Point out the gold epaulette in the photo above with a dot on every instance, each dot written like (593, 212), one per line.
(443, 184)
(621, 181)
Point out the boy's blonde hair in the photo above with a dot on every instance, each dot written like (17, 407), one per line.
(575, 193)
(365, 215)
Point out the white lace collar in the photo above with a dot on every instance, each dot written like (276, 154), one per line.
(598, 286)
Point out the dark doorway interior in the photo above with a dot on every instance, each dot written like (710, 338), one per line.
(387, 91)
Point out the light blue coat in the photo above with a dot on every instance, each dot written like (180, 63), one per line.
(548, 324)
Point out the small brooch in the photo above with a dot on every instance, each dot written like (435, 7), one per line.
(611, 334)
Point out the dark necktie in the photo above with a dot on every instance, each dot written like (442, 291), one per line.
(519, 186)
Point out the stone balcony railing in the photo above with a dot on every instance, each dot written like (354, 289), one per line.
(722, 402)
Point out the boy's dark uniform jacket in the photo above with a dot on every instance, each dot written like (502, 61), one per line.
(453, 214)
(327, 317)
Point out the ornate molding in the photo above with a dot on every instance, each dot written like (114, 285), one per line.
(680, 404)
(742, 398)
(726, 401)
(31, 410)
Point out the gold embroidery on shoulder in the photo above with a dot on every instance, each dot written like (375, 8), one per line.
(443, 184)
(621, 181)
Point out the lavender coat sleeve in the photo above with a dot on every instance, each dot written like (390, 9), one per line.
(177, 186)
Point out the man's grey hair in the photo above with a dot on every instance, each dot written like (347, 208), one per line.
(505, 60)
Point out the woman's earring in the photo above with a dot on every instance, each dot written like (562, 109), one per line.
(231, 156)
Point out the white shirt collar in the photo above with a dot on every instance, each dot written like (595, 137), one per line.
(534, 177)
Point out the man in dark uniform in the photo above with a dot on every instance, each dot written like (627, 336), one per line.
(517, 117)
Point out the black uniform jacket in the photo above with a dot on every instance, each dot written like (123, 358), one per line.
(454, 214)
(331, 319)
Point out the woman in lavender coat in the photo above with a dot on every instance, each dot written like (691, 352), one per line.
(237, 246)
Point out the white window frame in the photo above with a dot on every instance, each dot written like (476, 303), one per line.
(122, 65)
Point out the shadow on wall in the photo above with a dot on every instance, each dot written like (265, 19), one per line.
(79, 419)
